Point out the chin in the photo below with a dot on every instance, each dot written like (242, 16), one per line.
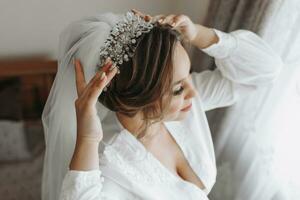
(182, 115)
(178, 116)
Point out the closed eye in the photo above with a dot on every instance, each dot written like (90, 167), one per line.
(179, 91)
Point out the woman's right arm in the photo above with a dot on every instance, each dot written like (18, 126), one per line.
(89, 128)
(82, 185)
(83, 181)
(90, 185)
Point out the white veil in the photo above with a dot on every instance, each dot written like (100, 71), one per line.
(82, 39)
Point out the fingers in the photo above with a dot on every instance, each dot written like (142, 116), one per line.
(177, 20)
(90, 92)
(98, 76)
(104, 68)
(169, 19)
(79, 75)
(99, 84)
(111, 73)
(145, 16)
(158, 17)
(136, 12)
(172, 20)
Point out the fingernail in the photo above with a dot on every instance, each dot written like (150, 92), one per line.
(118, 72)
(106, 67)
(112, 67)
(160, 21)
(173, 24)
(147, 18)
(73, 61)
(107, 60)
(102, 75)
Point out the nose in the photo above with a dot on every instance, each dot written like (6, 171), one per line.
(191, 92)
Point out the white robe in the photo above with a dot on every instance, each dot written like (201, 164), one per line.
(128, 171)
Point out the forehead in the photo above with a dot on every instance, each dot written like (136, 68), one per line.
(181, 63)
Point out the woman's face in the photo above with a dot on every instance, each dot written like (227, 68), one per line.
(182, 89)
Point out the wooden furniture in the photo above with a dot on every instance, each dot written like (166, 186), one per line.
(36, 77)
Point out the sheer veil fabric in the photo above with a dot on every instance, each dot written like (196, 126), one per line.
(81, 39)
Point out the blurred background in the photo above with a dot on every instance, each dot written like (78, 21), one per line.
(256, 140)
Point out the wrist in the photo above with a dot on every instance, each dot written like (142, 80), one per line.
(205, 37)
(85, 156)
(198, 33)
(88, 140)
(83, 142)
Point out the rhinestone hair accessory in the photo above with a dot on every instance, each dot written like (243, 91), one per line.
(122, 40)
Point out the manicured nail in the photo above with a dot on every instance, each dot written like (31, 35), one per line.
(111, 68)
(107, 60)
(107, 66)
(147, 18)
(102, 75)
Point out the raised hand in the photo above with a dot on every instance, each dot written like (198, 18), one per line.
(181, 22)
(88, 123)
(198, 35)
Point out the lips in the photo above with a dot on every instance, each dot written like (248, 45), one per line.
(187, 108)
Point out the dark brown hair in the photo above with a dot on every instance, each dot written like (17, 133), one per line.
(146, 78)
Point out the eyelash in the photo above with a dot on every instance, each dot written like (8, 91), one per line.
(179, 92)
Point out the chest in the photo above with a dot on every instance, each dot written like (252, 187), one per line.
(169, 154)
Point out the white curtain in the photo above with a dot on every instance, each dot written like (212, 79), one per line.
(258, 142)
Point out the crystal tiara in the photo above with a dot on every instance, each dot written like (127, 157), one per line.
(122, 40)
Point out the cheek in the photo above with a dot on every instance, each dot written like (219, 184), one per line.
(176, 105)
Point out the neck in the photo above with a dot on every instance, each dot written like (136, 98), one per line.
(134, 124)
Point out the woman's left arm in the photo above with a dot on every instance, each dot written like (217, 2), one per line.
(244, 60)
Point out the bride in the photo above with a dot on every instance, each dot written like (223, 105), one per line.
(125, 118)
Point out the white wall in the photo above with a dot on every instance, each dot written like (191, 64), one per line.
(195, 9)
(31, 28)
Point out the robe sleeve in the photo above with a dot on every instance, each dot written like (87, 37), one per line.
(91, 185)
(244, 62)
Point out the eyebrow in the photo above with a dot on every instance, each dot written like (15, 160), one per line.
(179, 81)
